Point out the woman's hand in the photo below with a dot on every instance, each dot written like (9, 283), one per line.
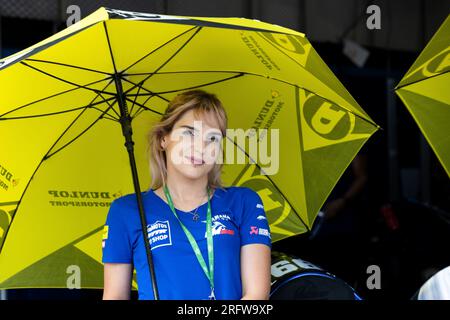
(117, 281)
(255, 271)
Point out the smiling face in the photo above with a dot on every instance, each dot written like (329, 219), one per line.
(194, 144)
(187, 141)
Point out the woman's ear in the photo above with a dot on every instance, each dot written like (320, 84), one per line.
(163, 143)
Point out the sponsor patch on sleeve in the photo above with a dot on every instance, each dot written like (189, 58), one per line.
(105, 232)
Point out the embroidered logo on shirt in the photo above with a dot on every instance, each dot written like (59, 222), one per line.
(105, 232)
(218, 227)
(260, 231)
(105, 235)
(158, 234)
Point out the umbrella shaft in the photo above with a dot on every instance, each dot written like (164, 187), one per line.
(125, 121)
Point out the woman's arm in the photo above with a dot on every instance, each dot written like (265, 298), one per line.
(255, 271)
(117, 281)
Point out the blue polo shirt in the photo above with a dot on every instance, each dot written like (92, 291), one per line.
(238, 219)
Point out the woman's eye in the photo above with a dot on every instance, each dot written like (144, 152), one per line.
(214, 138)
(188, 132)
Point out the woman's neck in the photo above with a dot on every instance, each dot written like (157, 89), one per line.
(185, 189)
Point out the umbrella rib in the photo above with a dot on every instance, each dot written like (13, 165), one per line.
(145, 102)
(112, 119)
(138, 113)
(49, 97)
(65, 81)
(144, 107)
(107, 101)
(197, 86)
(69, 66)
(141, 109)
(263, 76)
(143, 88)
(193, 71)
(81, 113)
(221, 71)
(100, 110)
(420, 80)
(218, 71)
(36, 50)
(142, 82)
(241, 73)
(52, 113)
(299, 128)
(80, 134)
(221, 25)
(238, 74)
(161, 46)
(39, 165)
(109, 47)
(167, 61)
(134, 101)
(268, 177)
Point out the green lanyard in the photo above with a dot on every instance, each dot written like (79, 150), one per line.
(194, 245)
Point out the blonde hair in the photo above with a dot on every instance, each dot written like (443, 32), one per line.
(201, 102)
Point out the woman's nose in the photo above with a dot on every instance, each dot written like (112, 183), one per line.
(198, 146)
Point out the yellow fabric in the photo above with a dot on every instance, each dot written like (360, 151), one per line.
(425, 92)
(63, 158)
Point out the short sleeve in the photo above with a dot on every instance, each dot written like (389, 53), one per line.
(254, 227)
(116, 241)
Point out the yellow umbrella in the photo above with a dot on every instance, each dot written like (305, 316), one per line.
(64, 103)
(425, 91)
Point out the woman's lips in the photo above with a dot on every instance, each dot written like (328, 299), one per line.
(196, 161)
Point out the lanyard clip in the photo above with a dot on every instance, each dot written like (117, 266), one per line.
(212, 296)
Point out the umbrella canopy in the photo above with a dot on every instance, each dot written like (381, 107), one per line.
(425, 92)
(63, 159)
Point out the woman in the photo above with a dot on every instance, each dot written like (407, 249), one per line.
(185, 197)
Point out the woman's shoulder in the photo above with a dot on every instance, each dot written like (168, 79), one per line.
(128, 199)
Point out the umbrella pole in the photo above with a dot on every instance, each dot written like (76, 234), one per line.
(125, 121)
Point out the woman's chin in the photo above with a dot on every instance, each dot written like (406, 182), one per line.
(191, 171)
